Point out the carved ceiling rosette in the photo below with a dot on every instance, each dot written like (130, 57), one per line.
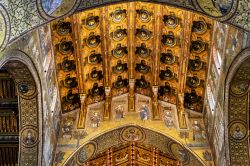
(194, 82)
(200, 26)
(198, 46)
(120, 83)
(93, 40)
(67, 65)
(95, 75)
(69, 82)
(192, 100)
(119, 51)
(70, 102)
(164, 90)
(119, 34)
(96, 91)
(142, 67)
(171, 21)
(143, 33)
(94, 58)
(142, 83)
(142, 51)
(169, 39)
(167, 74)
(168, 58)
(65, 47)
(144, 15)
(118, 15)
(196, 64)
(120, 67)
(91, 22)
(63, 28)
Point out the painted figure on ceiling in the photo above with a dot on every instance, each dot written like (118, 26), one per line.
(29, 139)
(95, 119)
(119, 112)
(168, 119)
(144, 113)
(238, 133)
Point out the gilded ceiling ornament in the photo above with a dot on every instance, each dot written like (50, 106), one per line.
(143, 51)
(194, 82)
(198, 46)
(166, 89)
(191, 99)
(196, 64)
(63, 28)
(93, 40)
(96, 90)
(67, 65)
(119, 51)
(239, 87)
(142, 67)
(167, 74)
(199, 27)
(95, 75)
(171, 21)
(143, 33)
(91, 22)
(118, 15)
(65, 47)
(94, 58)
(144, 15)
(169, 39)
(142, 83)
(168, 58)
(119, 34)
(69, 82)
(120, 67)
(70, 102)
(120, 83)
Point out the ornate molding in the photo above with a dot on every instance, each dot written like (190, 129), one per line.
(22, 69)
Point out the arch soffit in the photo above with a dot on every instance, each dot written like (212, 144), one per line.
(234, 67)
(33, 100)
(119, 135)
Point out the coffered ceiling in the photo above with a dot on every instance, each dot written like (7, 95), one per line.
(132, 48)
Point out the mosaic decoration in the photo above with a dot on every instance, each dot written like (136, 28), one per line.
(222, 10)
(132, 134)
(4, 27)
(86, 152)
(56, 8)
(28, 105)
(121, 49)
(238, 112)
(179, 152)
(123, 135)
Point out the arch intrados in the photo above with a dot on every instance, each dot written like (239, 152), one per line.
(240, 59)
(19, 57)
(169, 140)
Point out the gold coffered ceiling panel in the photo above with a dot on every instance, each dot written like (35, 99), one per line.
(132, 48)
